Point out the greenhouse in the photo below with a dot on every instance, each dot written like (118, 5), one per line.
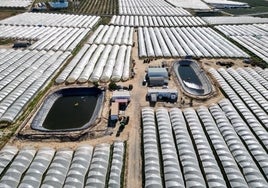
(215, 140)
(251, 36)
(149, 7)
(180, 41)
(99, 167)
(45, 38)
(63, 167)
(51, 20)
(15, 3)
(172, 172)
(112, 35)
(233, 173)
(98, 63)
(156, 21)
(116, 172)
(24, 73)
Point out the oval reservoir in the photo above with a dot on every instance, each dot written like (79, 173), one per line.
(69, 109)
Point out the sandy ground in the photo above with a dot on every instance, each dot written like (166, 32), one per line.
(132, 132)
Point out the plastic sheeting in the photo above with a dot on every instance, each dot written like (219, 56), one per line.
(152, 172)
(51, 19)
(22, 77)
(98, 167)
(155, 21)
(180, 41)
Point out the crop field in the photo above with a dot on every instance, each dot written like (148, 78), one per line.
(96, 7)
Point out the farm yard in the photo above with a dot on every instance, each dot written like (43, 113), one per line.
(123, 60)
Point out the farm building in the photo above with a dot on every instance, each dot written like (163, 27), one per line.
(157, 76)
(114, 111)
(121, 96)
(154, 95)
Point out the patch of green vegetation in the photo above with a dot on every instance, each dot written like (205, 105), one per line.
(5, 41)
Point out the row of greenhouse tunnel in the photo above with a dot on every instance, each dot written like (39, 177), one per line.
(211, 147)
(85, 166)
(220, 145)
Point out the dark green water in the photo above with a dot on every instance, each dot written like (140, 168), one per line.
(70, 112)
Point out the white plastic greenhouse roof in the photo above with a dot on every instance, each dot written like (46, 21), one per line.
(98, 62)
(252, 36)
(150, 7)
(15, 3)
(23, 74)
(64, 167)
(215, 140)
(51, 19)
(191, 4)
(234, 20)
(181, 41)
(45, 38)
(156, 21)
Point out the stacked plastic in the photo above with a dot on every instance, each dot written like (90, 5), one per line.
(58, 169)
(51, 19)
(247, 165)
(152, 169)
(11, 177)
(117, 165)
(34, 174)
(99, 167)
(190, 164)
(178, 41)
(205, 153)
(79, 167)
(232, 171)
(171, 164)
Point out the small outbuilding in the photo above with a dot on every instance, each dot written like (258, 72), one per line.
(157, 76)
(121, 95)
(114, 111)
(170, 95)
